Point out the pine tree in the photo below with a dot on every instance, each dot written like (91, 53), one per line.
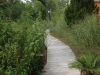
(77, 10)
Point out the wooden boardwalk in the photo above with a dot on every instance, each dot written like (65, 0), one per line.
(59, 55)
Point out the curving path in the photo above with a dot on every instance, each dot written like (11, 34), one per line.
(59, 55)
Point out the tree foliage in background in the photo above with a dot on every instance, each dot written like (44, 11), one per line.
(78, 9)
(11, 9)
(48, 5)
(38, 9)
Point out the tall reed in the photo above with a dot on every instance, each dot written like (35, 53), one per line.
(84, 35)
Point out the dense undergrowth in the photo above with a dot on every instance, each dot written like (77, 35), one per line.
(20, 42)
(83, 36)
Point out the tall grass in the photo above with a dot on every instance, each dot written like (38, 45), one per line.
(84, 35)
(87, 33)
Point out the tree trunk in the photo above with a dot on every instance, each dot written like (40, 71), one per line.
(47, 14)
(88, 73)
(83, 72)
(46, 7)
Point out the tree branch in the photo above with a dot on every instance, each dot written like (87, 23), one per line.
(43, 2)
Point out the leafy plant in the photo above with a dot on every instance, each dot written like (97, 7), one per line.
(19, 44)
(88, 62)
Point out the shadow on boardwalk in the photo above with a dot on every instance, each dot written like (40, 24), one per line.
(59, 55)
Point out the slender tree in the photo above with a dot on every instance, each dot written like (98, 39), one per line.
(49, 5)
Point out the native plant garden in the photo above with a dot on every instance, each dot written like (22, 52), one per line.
(22, 33)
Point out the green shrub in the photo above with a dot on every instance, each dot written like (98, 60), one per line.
(77, 10)
(19, 45)
(21, 39)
